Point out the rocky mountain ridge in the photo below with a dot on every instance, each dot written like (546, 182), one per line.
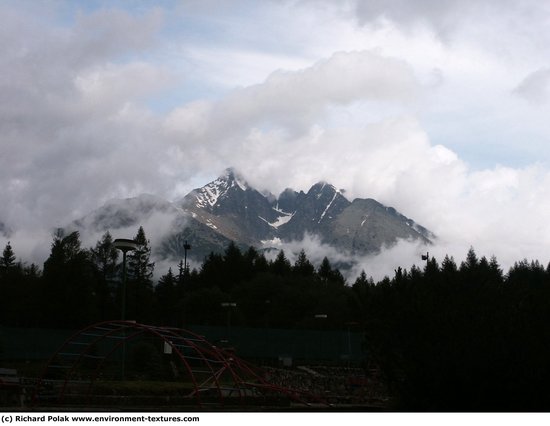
(228, 209)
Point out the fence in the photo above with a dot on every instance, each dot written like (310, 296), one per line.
(269, 344)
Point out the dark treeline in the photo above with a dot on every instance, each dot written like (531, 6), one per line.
(79, 286)
(464, 337)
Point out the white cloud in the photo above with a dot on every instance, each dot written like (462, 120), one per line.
(314, 248)
(295, 100)
(106, 85)
(234, 68)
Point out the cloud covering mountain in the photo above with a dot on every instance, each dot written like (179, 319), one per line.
(228, 210)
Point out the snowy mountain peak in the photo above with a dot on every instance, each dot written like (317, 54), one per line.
(209, 194)
(321, 188)
(235, 178)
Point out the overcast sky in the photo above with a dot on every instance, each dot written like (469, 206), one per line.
(437, 108)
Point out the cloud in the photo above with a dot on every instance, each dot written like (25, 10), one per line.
(296, 99)
(312, 245)
(535, 87)
(404, 254)
(257, 123)
(69, 107)
(449, 18)
(439, 15)
(101, 88)
(289, 93)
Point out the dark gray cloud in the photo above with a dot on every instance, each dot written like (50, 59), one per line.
(535, 87)
(450, 16)
(65, 100)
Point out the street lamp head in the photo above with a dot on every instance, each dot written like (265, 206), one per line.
(124, 244)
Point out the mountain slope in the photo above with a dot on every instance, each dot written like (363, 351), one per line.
(233, 209)
(366, 225)
(314, 212)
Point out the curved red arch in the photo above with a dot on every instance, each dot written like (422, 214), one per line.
(203, 363)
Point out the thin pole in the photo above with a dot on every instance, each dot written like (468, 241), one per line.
(184, 260)
(124, 245)
(123, 314)
(186, 246)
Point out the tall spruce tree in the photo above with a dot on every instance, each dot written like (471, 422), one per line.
(69, 297)
(303, 266)
(167, 299)
(281, 265)
(140, 267)
(104, 258)
(8, 257)
(8, 289)
(139, 291)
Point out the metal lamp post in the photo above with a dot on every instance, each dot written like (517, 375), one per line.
(186, 247)
(124, 245)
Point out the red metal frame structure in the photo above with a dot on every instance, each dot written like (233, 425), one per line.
(214, 375)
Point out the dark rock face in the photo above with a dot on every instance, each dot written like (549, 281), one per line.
(314, 212)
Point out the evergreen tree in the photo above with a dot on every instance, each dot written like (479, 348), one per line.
(471, 263)
(212, 271)
(8, 257)
(432, 268)
(448, 266)
(104, 256)
(281, 265)
(32, 271)
(234, 267)
(167, 299)
(139, 291)
(8, 288)
(182, 272)
(362, 279)
(327, 274)
(261, 265)
(249, 259)
(69, 283)
(325, 269)
(181, 280)
(303, 266)
(140, 267)
(361, 296)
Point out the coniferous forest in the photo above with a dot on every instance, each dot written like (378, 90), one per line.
(448, 336)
